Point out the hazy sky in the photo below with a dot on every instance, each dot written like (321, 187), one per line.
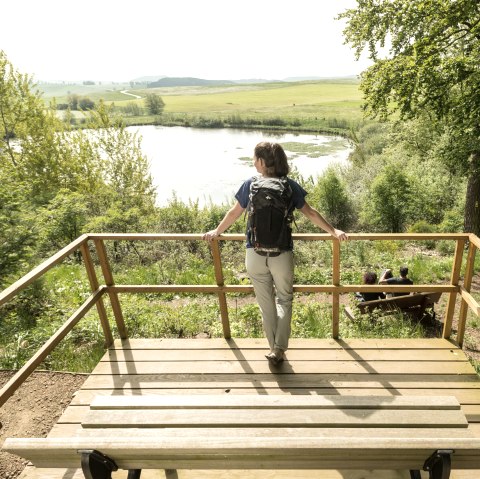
(213, 39)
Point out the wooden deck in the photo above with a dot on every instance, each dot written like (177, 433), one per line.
(398, 367)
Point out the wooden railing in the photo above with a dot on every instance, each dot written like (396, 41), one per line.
(83, 244)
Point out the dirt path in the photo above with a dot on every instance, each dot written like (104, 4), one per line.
(33, 410)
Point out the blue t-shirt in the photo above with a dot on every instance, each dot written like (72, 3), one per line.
(298, 197)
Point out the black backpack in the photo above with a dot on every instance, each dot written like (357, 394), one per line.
(270, 214)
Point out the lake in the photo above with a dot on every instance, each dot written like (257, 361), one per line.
(210, 165)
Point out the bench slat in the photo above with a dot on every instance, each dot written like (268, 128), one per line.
(73, 430)
(224, 401)
(274, 418)
(256, 453)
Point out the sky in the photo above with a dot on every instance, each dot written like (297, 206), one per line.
(119, 40)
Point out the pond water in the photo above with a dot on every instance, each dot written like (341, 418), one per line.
(209, 166)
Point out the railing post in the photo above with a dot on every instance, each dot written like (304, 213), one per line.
(336, 282)
(107, 275)
(217, 265)
(467, 284)
(92, 278)
(452, 298)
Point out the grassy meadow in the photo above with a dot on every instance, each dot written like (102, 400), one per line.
(305, 105)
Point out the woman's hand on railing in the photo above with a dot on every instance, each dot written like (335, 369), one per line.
(340, 235)
(209, 235)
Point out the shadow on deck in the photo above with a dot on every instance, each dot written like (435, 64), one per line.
(361, 367)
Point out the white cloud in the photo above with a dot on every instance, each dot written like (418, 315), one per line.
(216, 39)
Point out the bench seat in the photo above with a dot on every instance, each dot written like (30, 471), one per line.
(413, 304)
(263, 432)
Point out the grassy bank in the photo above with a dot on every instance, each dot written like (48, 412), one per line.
(320, 106)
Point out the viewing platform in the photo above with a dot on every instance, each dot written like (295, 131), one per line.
(422, 378)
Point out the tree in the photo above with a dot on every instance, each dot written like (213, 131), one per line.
(154, 104)
(86, 103)
(387, 206)
(431, 68)
(330, 196)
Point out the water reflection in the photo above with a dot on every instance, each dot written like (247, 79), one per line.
(210, 165)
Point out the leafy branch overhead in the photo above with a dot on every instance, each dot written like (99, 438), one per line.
(426, 63)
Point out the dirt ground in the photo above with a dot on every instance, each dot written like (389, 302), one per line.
(32, 410)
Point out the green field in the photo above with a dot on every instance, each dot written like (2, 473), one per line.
(301, 105)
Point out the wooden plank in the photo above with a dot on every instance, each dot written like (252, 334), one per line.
(257, 452)
(45, 473)
(252, 401)
(274, 418)
(297, 367)
(472, 412)
(32, 472)
(140, 355)
(35, 273)
(464, 396)
(258, 382)
(452, 297)
(74, 430)
(294, 343)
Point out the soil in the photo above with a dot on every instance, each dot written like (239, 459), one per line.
(32, 410)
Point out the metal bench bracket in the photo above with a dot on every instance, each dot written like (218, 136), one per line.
(96, 465)
(439, 464)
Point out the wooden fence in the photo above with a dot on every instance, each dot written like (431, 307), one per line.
(463, 242)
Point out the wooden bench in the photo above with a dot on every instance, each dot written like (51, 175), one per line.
(262, 432)
(413, 304)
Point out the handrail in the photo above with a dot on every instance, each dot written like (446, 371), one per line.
(468, 302)
(30, 277)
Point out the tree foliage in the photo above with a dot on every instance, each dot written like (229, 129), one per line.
(58, 182)
(431, 67)
(330, 196)
(154, 104)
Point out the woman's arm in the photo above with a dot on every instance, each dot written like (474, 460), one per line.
(317, 219)
(230, 217)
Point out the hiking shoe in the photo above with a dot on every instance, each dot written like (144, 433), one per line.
(276, 356)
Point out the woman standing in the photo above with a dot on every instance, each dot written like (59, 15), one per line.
(272, 275)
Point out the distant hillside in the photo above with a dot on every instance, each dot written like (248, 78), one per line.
(186, 81)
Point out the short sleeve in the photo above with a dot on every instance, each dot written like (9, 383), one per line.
(299, 194)
(243, 193)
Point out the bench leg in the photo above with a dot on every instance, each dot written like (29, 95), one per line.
(96, 465)
(134, 474)
(415, 475)
(439, 464)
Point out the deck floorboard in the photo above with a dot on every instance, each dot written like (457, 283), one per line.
(364, 367)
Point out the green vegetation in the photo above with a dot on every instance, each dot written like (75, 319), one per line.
(59, 181)
(430, 74)
(327, 106)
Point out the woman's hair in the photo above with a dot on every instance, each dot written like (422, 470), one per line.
(274, 157)
(370, 277)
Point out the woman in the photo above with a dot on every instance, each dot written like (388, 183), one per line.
(272, 276)
(370, 277)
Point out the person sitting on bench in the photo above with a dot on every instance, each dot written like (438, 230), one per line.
(403, 279)
(370, 277)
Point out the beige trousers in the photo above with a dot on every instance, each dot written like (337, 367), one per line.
(272, 279)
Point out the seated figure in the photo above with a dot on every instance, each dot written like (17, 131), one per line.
(370, 277)
(403, 279)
